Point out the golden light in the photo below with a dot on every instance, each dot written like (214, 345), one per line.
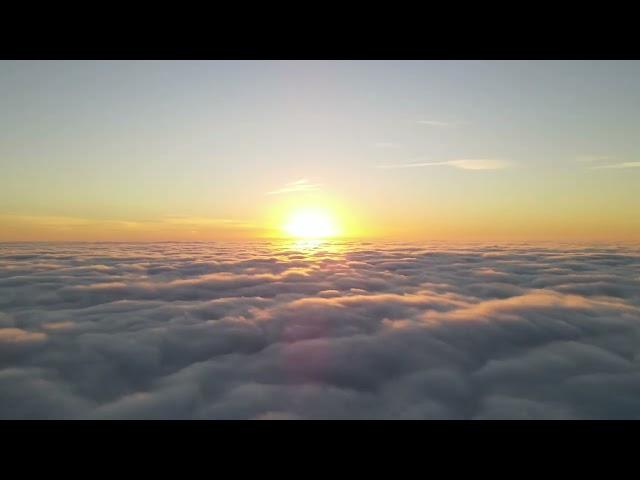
(311, 223)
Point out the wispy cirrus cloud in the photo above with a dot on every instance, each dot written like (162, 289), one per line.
(14, 226)
(592, 158)
(436, 123)
(463, 164)
(619, 165)
(204, 221)
(386, 145)
(71, 222)
(597, 162)
(302, 185)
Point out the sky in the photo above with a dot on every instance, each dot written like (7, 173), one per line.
(442, 150)
(482, 263)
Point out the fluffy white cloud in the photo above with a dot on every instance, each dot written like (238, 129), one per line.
(345, 330)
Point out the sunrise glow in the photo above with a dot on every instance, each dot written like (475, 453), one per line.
(311, 223)
(330, 240)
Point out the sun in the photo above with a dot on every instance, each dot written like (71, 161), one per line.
(311, 223)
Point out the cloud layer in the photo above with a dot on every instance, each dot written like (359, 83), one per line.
(340, 330)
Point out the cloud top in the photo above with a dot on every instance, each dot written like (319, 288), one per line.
(265, 330)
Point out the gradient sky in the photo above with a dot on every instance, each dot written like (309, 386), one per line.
(473, 150)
